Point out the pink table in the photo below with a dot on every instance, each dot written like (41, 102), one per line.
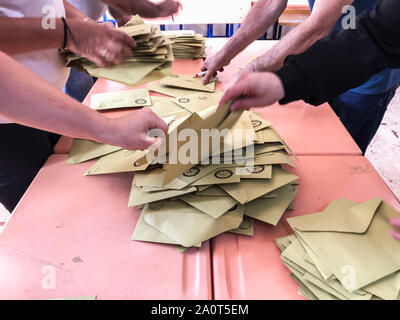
(78, 229)
(250, 267)
(308, 130)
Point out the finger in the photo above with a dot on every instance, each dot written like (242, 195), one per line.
(155, 122)
(122, 36)
(395, 235)
(146, 141)
(112, 58)
(207, 76)
(235, 91)
(243, 103)
(395, 222)
(126, 51)
(99, 61)
(109, 25)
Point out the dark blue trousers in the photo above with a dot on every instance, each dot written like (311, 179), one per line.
(362, 114)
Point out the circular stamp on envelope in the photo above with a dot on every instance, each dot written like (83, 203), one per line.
(256, 169)
(223, 174)
(184, 100)
(140, 101)
(139, 163)
(256, 123)
(192, 172)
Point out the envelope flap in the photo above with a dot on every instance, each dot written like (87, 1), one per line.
(340, 216)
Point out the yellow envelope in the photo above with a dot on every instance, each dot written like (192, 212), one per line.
(270, 210)
(187, 225)
(198, 101)
(250, 189)
(214, 206)
(120, 99)
(120, 161)
(352, 240)
(139, 197)
(187, 82)
(246, 228)
(84, 150)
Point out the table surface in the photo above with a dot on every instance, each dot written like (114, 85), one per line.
(78, 228)
(308, 130)
(250, 267)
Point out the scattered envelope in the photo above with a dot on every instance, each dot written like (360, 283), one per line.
(270, 210)
(85, 150)
(250, 189)
(246, 228)
(120, 99)
(214, 206)
(188, 82)
(187, 225)
(352, 238)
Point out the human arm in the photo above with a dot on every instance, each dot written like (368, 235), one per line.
(341, 61)
(54, 111)
(324, 15)
(145, 8)
(260, 17)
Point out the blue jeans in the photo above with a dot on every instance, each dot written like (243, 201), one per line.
(362, 114)
(78, 84)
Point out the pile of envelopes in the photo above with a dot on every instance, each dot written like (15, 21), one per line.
(186, 204)
(344, 252)
(186, 43)
(151, 61)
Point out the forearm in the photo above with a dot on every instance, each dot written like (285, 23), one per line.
(43, 106)
(345, 59)
(20, 35)
(72, 12)
(314, 28)
(295, 42)
(259, 19)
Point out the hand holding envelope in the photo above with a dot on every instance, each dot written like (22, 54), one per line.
(221, 190)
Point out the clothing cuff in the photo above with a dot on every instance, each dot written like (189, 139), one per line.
(293, 83)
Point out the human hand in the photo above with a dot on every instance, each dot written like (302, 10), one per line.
(395, 233)
(249, 90)
(168, 7)
(100, 43)
(130, 131)
(212, 64)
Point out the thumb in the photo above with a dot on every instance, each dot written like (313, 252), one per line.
(395, 235)
(154, 122)
(395, 222)
(208, 75)
(154, 142)
(243, 103)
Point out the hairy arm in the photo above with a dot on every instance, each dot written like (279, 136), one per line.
(258, 20)
(316, 26)
(52, 110)
(345, 59)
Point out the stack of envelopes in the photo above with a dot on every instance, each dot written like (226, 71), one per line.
(186, 43)
(344, 252)
(151, 61)
(186, 203)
